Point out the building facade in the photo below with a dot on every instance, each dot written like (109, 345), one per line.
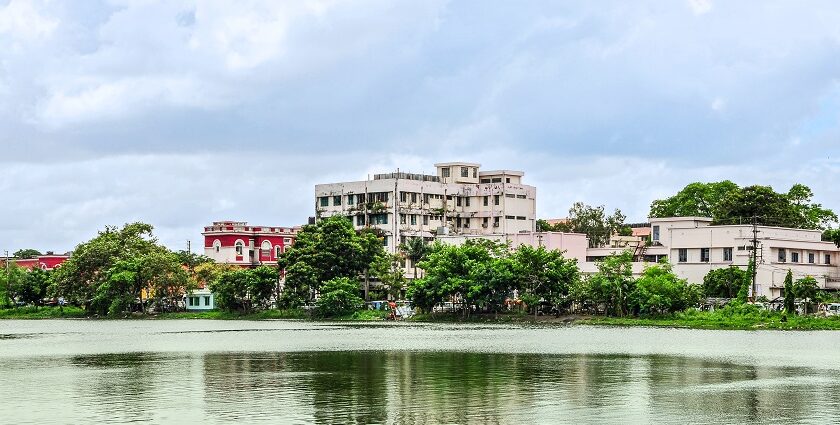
(236, 242)
(695, 247)
(459, 199)
(45, 262)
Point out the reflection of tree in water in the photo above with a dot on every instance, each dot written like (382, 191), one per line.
(118, 386)
(447, 387)
(731, 393)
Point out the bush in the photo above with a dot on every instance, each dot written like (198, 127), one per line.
(339, 297)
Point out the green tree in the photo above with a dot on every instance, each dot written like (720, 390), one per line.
(191, 259)
(832, 235)
(544, 275)
(659, 291)
(86, 274)
(325, 251)
(34, 286)
(389, 271)
(261, 285)
(744, 290)
(807, 290)
(12, 281)
(26, 253)
(694, 200)
(790, 294)
(724, 283)
(339, 296)
(613, 284)
(230, 290)
(415, 250)
(594, 222)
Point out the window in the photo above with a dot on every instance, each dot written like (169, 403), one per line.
(379, 219)
(485, 180)
(465, 172)
(683, 255)
(484, 221)
(655, 233)
(458, 201)
(325, 202)
(782, 255)
(467, 201)
(402, 218)
(496, 221)
(727, 254)
(475, 172)
(384, 241)
(425, 220)
(496, 199)
(239, 246)
(828, 258)
(510, 217)
(403, 197)
(277, 251)
(467, 223)
(811, 258)
(349, 199)
(360, 220)
(336, 200)
(704, 255)
(458, 222)
(207, 300)
(444, 172)
(520, 217)
(413, 198)
(287, 241)
(521, 197)
(507, 179)
(191, 300)
(496, 180)
(794, 257)
(217, 245)
(510, 195)
(413, 219)
(486, 201)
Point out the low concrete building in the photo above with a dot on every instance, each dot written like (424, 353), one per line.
(200, 300)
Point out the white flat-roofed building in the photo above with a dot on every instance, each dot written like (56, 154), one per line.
(458, 199)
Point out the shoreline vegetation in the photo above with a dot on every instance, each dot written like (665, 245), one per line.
(723, 319)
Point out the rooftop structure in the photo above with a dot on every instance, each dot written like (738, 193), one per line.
(236, 242)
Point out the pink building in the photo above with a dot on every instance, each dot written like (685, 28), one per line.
(236, 242)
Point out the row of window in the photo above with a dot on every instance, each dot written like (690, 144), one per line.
(794, 257)
(413, 197)
(705, 255)
(465, 172)
(196, 301)
(239, 247)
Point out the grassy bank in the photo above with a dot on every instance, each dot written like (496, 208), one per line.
(723, 319)
(76, 312)
(29, 312)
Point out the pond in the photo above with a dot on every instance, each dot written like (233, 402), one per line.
(191, 371)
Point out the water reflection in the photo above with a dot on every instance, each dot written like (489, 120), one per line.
(413, 387)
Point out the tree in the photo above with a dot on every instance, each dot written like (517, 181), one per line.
(544, 275)
(724, 283)
(339, 296)
(85, 275)
(388, 270)
(613, 284)
(832, 235)
(726, 203)
(695, 200)
(261, 284)
(191, 259)
(327, 250)
(807, 290)
(745, 289)
(244, 289)
(34, 285)
(790, 294)
(659, 291)
(26, 253)
(415, 249)
(593, 222)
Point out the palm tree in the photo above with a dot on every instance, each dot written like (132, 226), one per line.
(415, 250)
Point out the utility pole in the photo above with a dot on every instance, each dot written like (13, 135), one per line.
(189, 246)
(8, 282)
(754, 255)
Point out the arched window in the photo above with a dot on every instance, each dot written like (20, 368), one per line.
(277, 251)
(217, 245)
(239, 247)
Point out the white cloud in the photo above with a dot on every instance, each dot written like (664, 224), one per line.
(700, 7)
(20, 20)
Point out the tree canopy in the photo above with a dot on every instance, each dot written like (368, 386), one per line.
(727, 203)
(590, 220)
(26, 253)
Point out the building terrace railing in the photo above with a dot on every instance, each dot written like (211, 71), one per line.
(407, 176)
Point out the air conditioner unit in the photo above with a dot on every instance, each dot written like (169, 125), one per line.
(484, 225)
(495, 224)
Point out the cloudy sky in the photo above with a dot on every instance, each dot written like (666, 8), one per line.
(179, 113)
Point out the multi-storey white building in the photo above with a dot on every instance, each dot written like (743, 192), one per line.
(459, 199)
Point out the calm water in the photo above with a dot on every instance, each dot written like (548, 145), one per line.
(300, 372)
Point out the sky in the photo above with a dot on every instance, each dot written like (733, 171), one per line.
(179, 113)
